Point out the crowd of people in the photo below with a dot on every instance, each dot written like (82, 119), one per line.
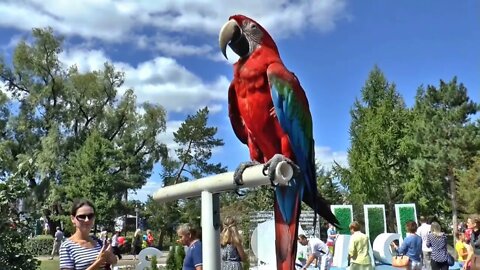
(84, 251)
(424, 245)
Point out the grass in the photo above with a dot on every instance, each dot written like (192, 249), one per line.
(49, 265)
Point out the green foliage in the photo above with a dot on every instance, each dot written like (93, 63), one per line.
(175, 257)
(406, 214)
(153, 264)
(196, 141)
(40, 245)
(170, 264)
(14, 228)
(378, 164)
(73, 134)
(329, 187)
(469, 188)
(376, 222)
(344, 217)
(179, 256)
(442, 141)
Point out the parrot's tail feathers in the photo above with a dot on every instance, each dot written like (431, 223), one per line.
(286, 239)
(321, 207)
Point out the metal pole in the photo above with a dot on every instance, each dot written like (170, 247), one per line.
(136, 218)
(252, 177)
(210, 231)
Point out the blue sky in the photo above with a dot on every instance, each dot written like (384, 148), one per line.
(169, 51)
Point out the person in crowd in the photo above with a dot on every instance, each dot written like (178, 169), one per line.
(411, 247)
(461, 248)
(150, 239)
(318, 251)
(116, 245)
(331, 237)
(231, 243)
(423, 232)
(137, 243)
(437, 240)
(473, 257)
(189, 236)
(82, 251)
(57, 241)
(358, 249)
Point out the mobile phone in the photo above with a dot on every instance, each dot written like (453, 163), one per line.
(105, 242)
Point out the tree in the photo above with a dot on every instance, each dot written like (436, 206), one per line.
(378, 166)
(469, 188)
(329, 187)
(191, 160)
(444, 141)
(14, 226)
(59, 111)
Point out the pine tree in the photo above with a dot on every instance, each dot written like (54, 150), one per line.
(378, 166)
(443, 140)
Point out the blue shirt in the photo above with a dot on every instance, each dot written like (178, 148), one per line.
(411, 247)
(193, 258)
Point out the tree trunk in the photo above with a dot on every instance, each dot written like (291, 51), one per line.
(161, 239)
(453, 195)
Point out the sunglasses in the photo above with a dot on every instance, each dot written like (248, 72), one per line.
(84, 217)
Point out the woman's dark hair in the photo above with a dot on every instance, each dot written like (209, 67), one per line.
(77, 203)
(411, 226)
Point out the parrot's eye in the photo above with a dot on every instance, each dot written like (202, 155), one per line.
(254, 26)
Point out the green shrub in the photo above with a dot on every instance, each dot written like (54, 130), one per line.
(40, 245)
(344, 217)
(153, 264)
(14, 227)
(375, 222)
(179, 256)
(171, 263)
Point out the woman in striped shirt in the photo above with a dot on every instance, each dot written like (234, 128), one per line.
(82, 251)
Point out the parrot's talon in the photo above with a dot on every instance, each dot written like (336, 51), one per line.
(241, 194)
(271, 165)
(265, 170)
(238, 175)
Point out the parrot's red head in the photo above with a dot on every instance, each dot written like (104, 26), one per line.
(244, 36)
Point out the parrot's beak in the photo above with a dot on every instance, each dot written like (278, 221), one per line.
(231, 34)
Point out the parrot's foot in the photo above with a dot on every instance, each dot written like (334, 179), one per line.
(237, 176)
(271, 165)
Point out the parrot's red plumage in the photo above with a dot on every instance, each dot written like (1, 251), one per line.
(269, 112)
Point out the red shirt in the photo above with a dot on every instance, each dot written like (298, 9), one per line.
(150, 240)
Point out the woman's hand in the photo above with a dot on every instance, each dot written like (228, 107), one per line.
(104, 253)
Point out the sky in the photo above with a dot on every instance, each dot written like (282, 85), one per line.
(169, 52)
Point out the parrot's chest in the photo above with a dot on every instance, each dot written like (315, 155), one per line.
(256, 107)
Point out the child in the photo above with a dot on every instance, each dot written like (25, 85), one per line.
(460, 248)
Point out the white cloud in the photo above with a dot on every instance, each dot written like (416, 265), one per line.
(327, 157)
(148, 189)
(124, 20)
(160, 80)
(167, 136)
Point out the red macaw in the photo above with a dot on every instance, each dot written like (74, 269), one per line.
(269, 112)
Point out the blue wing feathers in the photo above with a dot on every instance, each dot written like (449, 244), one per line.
(291, 124)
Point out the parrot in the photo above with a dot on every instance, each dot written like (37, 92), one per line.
(269, 112)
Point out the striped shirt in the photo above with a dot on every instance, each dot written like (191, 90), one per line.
(74, 256)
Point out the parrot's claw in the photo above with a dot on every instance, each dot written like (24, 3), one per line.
(271, 165)
(237, 176)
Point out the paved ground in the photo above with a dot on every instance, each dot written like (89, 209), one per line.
(127, 260)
